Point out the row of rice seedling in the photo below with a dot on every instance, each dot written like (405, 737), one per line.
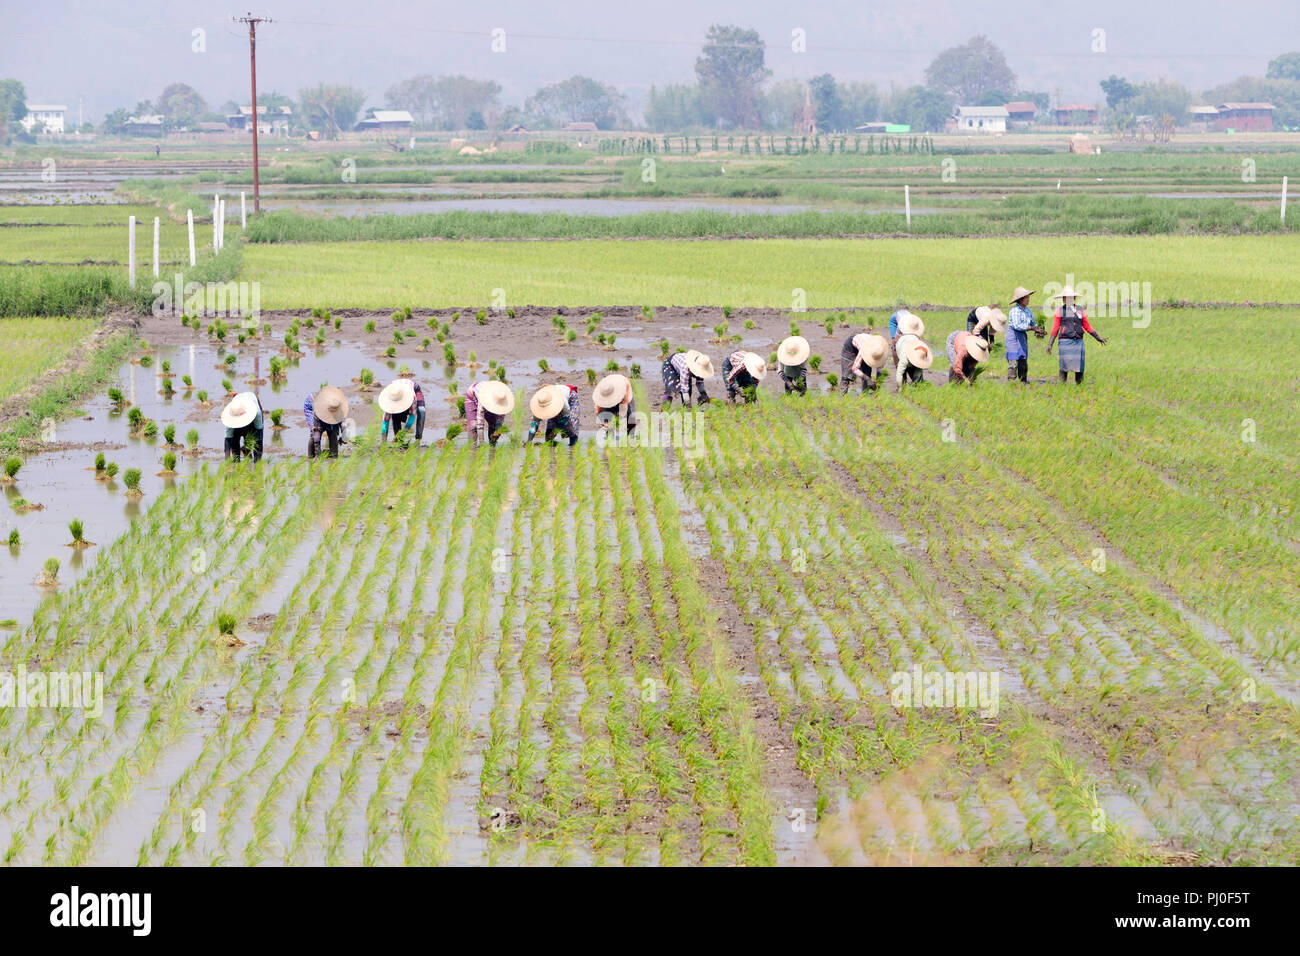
(1107, 654)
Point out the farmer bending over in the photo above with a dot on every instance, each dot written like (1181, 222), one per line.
(486, 406)
(243, 419)
(325, 413)
(615, 403)
(792, 355)
(556, 406)
(741, 372)
(684, 373)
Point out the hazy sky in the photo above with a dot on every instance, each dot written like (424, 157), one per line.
(112, 53)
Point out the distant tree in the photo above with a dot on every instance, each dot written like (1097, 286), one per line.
(579, 99)
(920, 107)
(475, 120)
(827, 102)
(13, 106)
(331, 109)
(1161, 98)
(993, 98)
(964, 73)
(114, 120)
(1284, 67)
(444, 102)
(418, 96)
(181, 106)
(674, 107)
(782, 105)
(731, 70)
(861, 103)
(1118, 91)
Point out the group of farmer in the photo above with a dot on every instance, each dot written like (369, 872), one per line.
(555, 408)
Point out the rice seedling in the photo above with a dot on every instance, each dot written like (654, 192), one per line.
(449, 354)
(188, 382)
(277, 418)
(543, 365)
(390, 352)
(570, 335)
(338, 324)
(12, 466)
(794, 327)
(192, 440)
(635, 371)
(150, 429)
(481, 316)
(647, 313)
(832, 379)
(472, 359)
(131, 478)
(610, 339)
(611, 366)
(500, 374)
(15, 540)
(117, 399)
(166, 367)
(367, 379)
(99, 464)
(169, 434)
(146, 361)
(77, 529)
(135, 419)
(228, 387)
(830, 326)
(110, 470)
(591, 376)
(202, 397)
(771, 359)
(749, 324)
(320, 337)
(454, 430)
(49, 576)
(370, 326)
(815, 363)
(720, 332)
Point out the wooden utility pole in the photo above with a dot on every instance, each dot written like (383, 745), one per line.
(252, 22)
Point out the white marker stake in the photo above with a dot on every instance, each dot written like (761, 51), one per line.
(1284, 200)
(216, 209)
(130, 251)
(243, 211)
(156, 226)
(907, 203)
(189, 221)
(222, 235)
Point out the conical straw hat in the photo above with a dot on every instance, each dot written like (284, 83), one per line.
(755, 366)
(1067, 292)
(700, 364)
(611, 390)
(397, 396)
(548, 401)
(909, 324)
(496, 397)
(241, 410)
(995, 317)
(977, 348)
(1020, 293)
(874, 348)
(793, 350)
(330, 405)
(917, 352)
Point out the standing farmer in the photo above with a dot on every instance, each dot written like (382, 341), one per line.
(741, 372)
(397, 402)
(1069, 323)
(792, 354)
(243, 419)
(966, 351)
(914, 357)
(862, 356)
(685, 372)
(1019, 323)
(486, 406)
(614, 402)
(325, 413)
(557, 407)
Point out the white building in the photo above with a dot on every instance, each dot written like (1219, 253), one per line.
(44, 118)
(982, 119)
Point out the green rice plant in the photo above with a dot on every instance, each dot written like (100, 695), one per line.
(794, 327)
(635, 371)
(454, 430)
(570, 335)
(510, 313)
(460, 407)
(832, 380)
(390, 352)
(279, 369)
(168, 390)
(611, 366)
(647, 313)
(749, 324)
(543, 365)
(78, 531)
(150, 430)
(451, 386)
(664, 348)
(230, 360)
(591, 376)
(188, 382)
(720, 331)
(110, 470)
(367, 377)
(432, 325)
(117, 399)
(99, 463)
(50, 572)
(227, 386)
(202, 396)
(192, 439)
(425, 343)
(131, 478)
(146, 361)
(830, 326)
(14, 538)
(166, 367)
(449, 354)
(610, 339)
(501, 373)
(600, 339)
(481, 316)
(226, 623)
(320, 337)
(473, 358)
(12, 465)
(338, 324)
(726, 311)
(370, 326)
(397, 336)
(815, 363)
(277, 418)
(135, 418)
(772, 359)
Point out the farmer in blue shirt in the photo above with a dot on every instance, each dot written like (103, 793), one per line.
(1019, 322)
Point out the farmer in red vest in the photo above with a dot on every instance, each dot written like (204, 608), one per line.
(1069, 324)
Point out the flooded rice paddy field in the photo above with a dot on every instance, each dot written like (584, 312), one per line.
(640, 655)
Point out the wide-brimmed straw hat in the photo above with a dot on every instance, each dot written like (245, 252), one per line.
(1067, 292)
(397, 396)
(755, 366)
(1020, 293)
(910, 324)
(873, 349)
(330, 405)
(793, 350)
(917, 353)
(610, 391)
(548, 401)
(701, 365)
(496, 397)
(977, 348)
(997, 319)
(240, 410)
